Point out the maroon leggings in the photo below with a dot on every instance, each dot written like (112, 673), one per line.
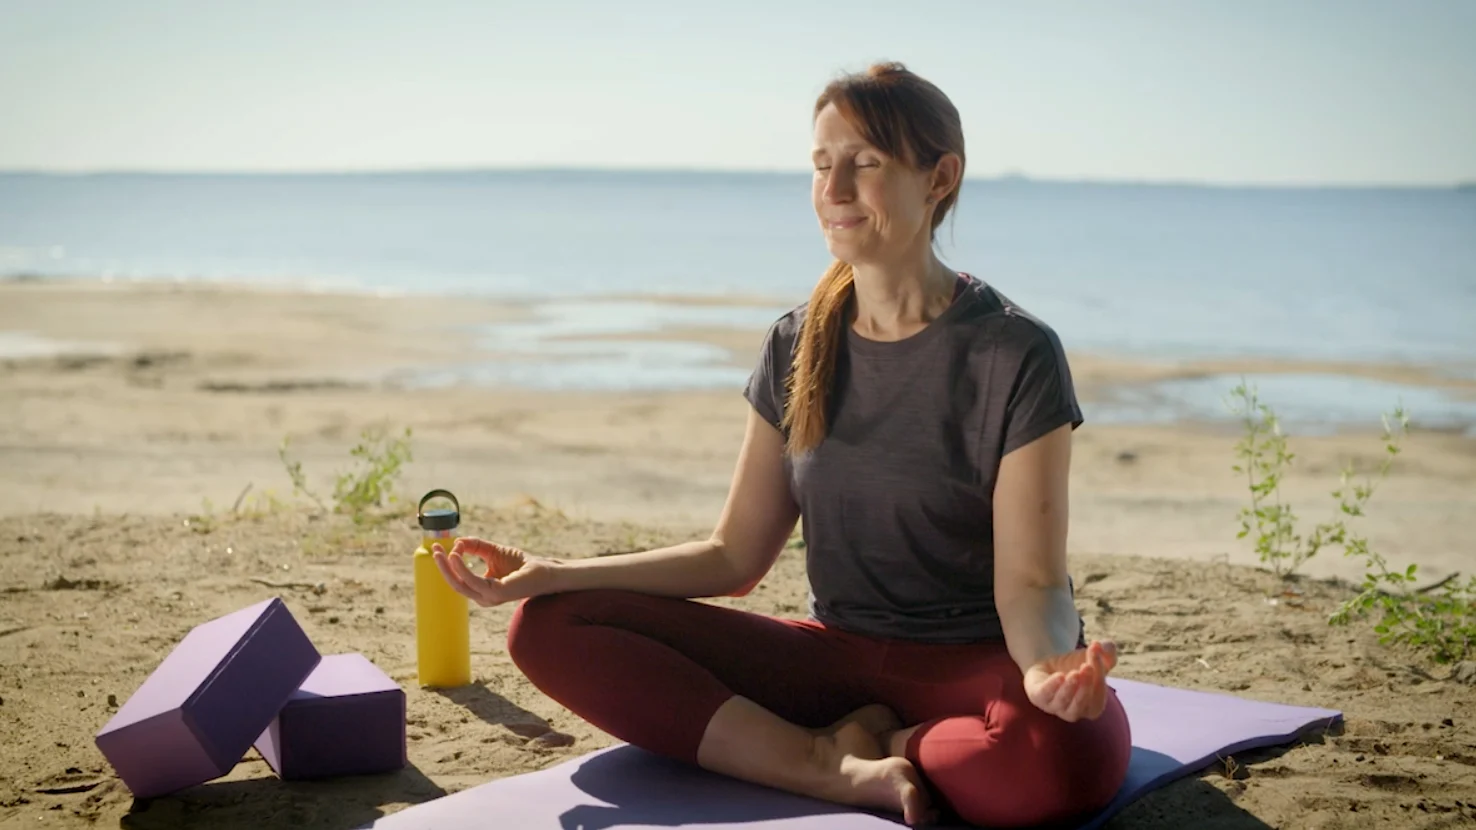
(652, 671)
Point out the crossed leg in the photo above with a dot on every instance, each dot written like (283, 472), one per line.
(791, 704)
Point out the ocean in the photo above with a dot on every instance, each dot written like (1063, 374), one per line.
(1156, 272)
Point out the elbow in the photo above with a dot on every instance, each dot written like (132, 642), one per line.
(739, 578)
(744, 589)
(1012, 590)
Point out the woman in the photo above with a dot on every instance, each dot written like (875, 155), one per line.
(921, 425)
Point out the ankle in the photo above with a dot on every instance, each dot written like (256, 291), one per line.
(895, 743)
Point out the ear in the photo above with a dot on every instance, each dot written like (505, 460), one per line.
(946, 176)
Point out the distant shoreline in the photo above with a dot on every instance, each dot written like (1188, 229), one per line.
(668, 345)
(1007, 179)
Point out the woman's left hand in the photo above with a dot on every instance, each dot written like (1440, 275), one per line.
(1073, 686)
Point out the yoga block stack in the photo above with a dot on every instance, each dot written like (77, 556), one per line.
(227, 686)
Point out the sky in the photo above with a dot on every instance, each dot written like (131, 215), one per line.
(1233, 92)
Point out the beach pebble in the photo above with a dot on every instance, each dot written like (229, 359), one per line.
(1448, 722)
(112, 701)
(1465, 672)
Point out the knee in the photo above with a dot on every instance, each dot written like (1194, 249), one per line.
(1036, 769)
(540, 623)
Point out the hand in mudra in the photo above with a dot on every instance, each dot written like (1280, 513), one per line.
(511, 573)
(1073, 686)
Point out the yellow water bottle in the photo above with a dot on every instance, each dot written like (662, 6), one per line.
(442, 635)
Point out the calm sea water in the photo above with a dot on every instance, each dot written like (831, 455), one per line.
(1147, 271)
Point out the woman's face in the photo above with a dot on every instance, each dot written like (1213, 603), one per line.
(872, 208)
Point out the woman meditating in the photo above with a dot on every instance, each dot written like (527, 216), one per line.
(920, 424)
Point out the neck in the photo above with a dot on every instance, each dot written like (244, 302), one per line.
(897, 300)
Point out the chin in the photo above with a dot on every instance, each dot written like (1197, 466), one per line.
(846, 252)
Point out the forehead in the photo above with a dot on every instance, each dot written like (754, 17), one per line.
(833, 133)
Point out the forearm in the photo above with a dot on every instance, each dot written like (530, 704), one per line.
(692, 569)
(1039, 621)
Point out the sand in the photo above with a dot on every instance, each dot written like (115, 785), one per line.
(141, 493)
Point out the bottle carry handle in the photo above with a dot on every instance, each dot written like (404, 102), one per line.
(445, 494)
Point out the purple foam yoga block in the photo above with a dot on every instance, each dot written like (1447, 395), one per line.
(198, 713)
(347, 719)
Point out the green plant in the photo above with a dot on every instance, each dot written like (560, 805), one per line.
(294, 471)
(1438, 619)
(1263, 457)
(369, 484)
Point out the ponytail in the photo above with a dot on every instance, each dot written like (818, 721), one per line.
(812, 371)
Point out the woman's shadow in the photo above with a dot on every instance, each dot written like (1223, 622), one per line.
(643, 789)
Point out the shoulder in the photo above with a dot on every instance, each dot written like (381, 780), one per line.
(784, 332)
(1005, 330)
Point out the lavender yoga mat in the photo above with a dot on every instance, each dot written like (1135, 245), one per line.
(1175, 733)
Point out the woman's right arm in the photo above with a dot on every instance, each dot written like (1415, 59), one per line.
(751, 532)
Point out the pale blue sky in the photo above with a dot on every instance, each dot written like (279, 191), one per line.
(1270, 91)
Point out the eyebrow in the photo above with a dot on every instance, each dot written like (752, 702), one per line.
(852, 147)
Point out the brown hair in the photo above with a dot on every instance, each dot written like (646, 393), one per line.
(912, 121)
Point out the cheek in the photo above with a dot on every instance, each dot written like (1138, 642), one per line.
(894, 205)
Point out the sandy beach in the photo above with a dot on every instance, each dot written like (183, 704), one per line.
(142, 492)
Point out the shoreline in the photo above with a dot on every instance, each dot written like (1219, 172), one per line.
(1120, 364)
(203, 386)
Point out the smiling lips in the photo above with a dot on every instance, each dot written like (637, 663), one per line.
(844, 224)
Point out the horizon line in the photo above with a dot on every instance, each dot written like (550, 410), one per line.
(1011, 176)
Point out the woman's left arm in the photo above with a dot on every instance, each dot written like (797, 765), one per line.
(1031, 591)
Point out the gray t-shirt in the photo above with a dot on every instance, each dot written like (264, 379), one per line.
(897, 500)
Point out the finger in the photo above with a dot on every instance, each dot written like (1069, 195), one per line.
(489, 552)
(1097, 657)
(1109, 654)
(452, 579)
(476, 584)
(1046, 692)
(1064, 695)
(1097, 702)
(444, 566)
(473, 544)
(1086, 678)
(1104, 668)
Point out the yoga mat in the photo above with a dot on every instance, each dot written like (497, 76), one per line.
(1176, 732)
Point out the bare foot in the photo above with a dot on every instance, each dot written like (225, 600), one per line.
(866, 777)
(876, 718)
(882, 723)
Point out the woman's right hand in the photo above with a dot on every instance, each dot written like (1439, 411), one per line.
(511, 573)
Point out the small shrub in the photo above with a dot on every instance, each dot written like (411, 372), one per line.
(1439, 620)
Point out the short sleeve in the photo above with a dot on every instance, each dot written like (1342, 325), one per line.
(763, 389)
(1042, 397)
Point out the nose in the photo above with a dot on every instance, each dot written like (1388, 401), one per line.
(840, 185)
